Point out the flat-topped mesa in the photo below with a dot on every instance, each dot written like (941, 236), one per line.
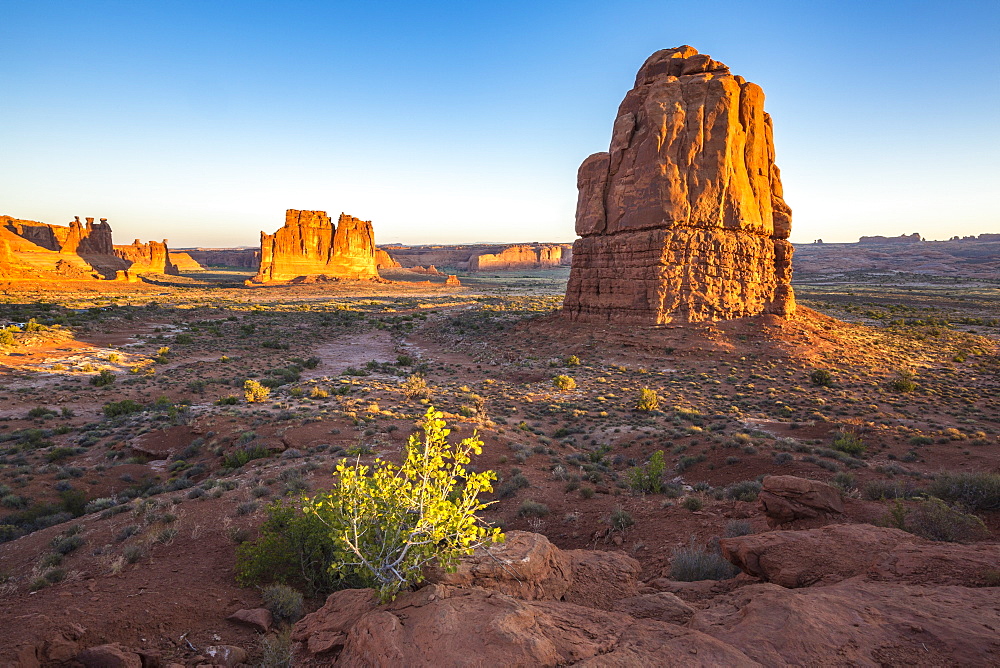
(522, 256)
(147, 258)
(310, 244)
(683, 219)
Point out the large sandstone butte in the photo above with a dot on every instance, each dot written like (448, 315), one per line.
(311, 245)
(683, 219)
(518, 257)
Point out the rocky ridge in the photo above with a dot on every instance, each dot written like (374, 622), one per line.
(683, 219)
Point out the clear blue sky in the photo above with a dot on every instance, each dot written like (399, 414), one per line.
(466, 121)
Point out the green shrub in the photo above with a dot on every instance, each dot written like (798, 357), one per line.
(844, 481)
(123, 407)
(532, 508)
(388, 522)
(620, 519)
(65, 544)
(242, 456)
(694, 563)
(7, 338)
(293, 547)
(103, 379)
(563, 383)
(510, 486)
(572, 360)
(693, 503)
(648, 400)
(975, 491)
(226, 401)
(903, 382)
(934, 519)
(285, 603)
(648, 479)
(849, 442)
(821, 378)
(735, 528)
(881, 490)
(745, 490)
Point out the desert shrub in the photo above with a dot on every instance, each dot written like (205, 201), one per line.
(64, 544)
(60, 453)
(735, 528)
(104, 378)
(7, 337)
(648, 479)
(255, 392)
(123, 407)
(274, 651)
(285, 603)
(693, 563)
(849, 442)
(532, 508)
(687, 461)
(572, 360)
(238, 458)
(40, 412)
(693, 503)
(388, 522)
(415, 387)
(934, 519)
(226, 401)
(510, 486)
(975, 491)
(844, 481)
(318, 393)
(745, 490)
(648, 400)
(903, 382)
(821, 378)
(563, 383)
(620, 519)
(881, 490)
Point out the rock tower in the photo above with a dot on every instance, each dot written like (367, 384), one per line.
(310, 244)
(683, 219)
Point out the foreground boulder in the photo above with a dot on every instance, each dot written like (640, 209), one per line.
(787, 498)
(812, 556)
(445, 626)
(683, 219)
(858, 623)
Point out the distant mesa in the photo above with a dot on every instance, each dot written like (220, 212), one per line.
(518, 257)
(914, 238)
(310, 245)
(184, 262)
(30, 250)
(482, 257)
(683, 219)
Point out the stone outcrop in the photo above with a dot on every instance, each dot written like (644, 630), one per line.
(242, 258)
(465, 256)
(522, 257)
(683, 219)
(452, 281)
(787, 498)
(184, 262)
(384, 261)
(310, 244)
(147, 258)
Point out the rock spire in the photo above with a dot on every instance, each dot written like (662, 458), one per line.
(683, 219)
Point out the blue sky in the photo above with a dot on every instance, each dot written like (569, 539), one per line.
(465, 121)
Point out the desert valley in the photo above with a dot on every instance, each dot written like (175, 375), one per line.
(711, 446)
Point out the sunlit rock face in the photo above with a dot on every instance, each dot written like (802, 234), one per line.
(147, 258)
(310, 244)
(683, 218)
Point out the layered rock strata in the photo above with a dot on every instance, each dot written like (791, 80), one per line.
(310, 244)
(147, 258)
(519, 257)
(683, 219)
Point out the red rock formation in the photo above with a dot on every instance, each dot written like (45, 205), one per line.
(310, 245)
(683, 218)
(518, 257)
(184, 262)
(148, 258)
(243, 258)
(39, 251)
(453, 281)
(914, 238)
(384, 261)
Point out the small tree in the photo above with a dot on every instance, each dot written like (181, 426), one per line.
(648, 479)
(387, 522)
(255, 392)
(821, 378)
